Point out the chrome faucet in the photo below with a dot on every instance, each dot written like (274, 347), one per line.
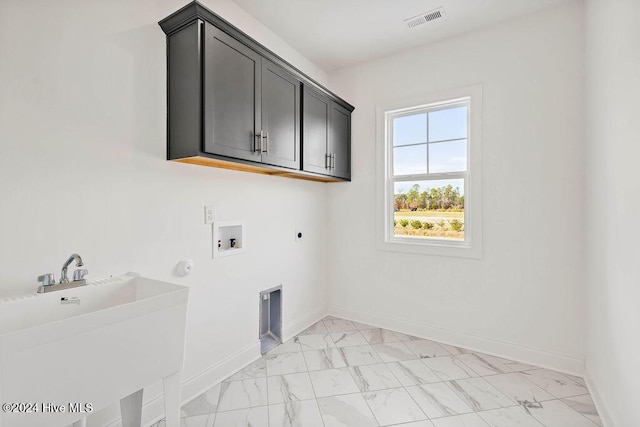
(63, 273)
(49, 282)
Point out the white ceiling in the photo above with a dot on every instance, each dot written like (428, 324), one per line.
(339, 33)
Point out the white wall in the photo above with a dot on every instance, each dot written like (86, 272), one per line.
(82, 137)
(525, 298)
(613, 208)
(82, 169)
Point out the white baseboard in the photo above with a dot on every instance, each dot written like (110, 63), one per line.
(295, 328)
(533, 356)
(605, 417)
(153, 409)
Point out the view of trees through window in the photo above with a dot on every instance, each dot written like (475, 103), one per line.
(429, 152)
(429, 209)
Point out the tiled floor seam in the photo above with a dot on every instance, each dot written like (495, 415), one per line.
(583, 415)
(556, 397)
(370, 409)
(230, 410)
(402, 386)
(414, 352)
(267, 393)
(407, 391)
(315, 395)
(446, 382)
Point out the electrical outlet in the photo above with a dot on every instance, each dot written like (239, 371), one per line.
(208, 214)
(299, 236)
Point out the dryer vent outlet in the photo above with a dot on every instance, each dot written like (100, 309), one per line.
(270, 328)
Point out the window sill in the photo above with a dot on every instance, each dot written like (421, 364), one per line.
(437, 247)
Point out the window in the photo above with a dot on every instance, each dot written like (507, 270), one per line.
(430, 175)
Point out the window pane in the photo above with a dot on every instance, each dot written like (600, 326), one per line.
(410, 160)
(448, 124)
(429, 209)
(448, 156)
(410, 129)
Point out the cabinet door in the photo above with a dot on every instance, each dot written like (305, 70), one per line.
(231, 96)
(315, 128)
(340, 141)
(280, 117)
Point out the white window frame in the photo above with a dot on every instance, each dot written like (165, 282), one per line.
(471, 247)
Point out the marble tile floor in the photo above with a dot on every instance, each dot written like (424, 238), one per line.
(342, 373)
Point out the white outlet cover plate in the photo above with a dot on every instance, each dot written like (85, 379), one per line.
(209, 214)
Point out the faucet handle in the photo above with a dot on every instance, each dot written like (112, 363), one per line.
(47, 279)
(79, 274)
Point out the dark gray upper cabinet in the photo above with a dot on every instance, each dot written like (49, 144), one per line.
(316, 109)
(232, 89)
(327, 135)
(232, 103)
(280, 117)
(340, 141)
(251, 106)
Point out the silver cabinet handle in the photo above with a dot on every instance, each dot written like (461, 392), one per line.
(266, 143)
(327, 161)
(333, 161)
(257, 145)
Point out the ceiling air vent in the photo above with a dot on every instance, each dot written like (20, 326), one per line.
(424, 17)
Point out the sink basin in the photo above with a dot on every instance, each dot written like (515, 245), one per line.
(95, 345)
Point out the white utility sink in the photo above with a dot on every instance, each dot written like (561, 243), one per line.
(125, 333)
